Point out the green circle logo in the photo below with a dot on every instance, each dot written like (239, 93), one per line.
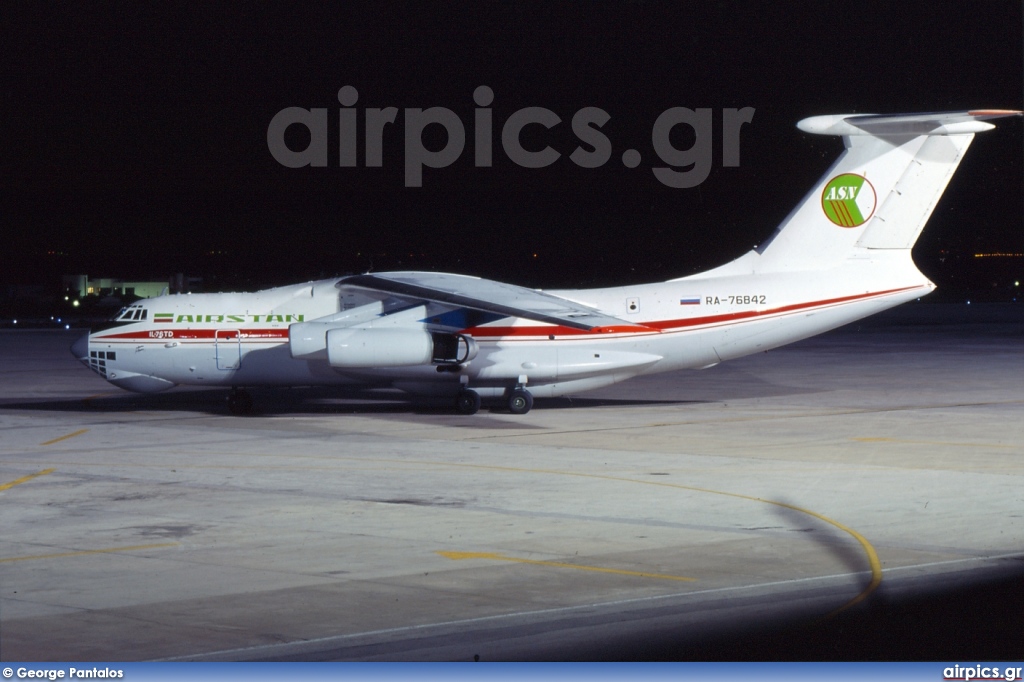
(848, 200)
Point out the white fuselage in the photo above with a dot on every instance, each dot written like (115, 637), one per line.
(695, 322)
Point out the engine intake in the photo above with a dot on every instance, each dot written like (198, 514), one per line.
(453, 349)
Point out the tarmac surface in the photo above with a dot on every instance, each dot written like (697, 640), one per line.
(859, 495)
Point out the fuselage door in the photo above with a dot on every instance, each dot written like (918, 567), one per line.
(228, 344)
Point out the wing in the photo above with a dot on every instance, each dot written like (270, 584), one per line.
(488, 296)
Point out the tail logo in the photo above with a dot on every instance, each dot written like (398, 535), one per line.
(848, 200)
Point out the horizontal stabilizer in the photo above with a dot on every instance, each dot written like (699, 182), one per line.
(488, 296)
(883, 125)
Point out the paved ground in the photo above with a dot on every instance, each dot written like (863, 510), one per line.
(727, 513)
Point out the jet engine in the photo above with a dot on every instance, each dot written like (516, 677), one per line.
(366, 348)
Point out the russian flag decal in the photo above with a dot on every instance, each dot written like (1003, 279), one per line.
(691, 300)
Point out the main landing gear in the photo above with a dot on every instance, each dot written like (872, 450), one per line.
(518, 400)
(239, 401)
(468, 401)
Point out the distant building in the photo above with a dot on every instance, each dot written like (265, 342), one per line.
(82, 286)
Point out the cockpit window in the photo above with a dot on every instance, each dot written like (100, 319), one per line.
(131, 314)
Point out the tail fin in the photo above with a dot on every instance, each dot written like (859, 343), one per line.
(878, 194)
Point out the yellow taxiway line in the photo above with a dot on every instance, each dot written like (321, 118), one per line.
(79, 432)
(25, 479)
(873, 561)
(85, 552)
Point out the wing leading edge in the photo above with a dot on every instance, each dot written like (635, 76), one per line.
(488, 296)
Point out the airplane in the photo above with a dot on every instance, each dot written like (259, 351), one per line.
(842, 254)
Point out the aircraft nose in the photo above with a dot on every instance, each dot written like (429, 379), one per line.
(80, 348)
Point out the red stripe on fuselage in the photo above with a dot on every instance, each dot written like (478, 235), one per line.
(197, 334)
(665, 325)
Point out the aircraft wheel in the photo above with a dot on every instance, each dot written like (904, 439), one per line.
(468, 401)
(239, 402)
(520, 401)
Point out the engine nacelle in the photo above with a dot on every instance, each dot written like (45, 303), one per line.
(308, 340)
(367, 348)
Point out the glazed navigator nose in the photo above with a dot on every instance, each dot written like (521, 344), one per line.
(80, 348)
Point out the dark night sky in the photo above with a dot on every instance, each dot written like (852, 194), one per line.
(136, 134)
